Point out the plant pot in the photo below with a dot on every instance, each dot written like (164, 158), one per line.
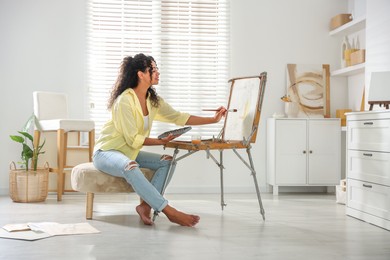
(28, 186)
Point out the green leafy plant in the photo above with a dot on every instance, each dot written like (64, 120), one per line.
(29, 151)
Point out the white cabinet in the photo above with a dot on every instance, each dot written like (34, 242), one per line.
(303, 152)
(368, 167)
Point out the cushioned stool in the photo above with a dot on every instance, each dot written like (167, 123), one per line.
(86, 178)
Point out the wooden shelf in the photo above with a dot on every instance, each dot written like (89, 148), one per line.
(353, 26)
(349, 71)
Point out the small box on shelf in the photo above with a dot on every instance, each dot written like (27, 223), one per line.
(347, 56)
(358, 57)
(340, 20)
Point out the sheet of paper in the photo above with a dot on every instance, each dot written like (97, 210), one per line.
(23, 235)
(39, 230)
(16, 227)
(56, 229)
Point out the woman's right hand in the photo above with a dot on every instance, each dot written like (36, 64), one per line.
(221, 112)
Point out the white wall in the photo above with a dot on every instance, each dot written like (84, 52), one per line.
(266, 35)
(42, 47)
(378, 39)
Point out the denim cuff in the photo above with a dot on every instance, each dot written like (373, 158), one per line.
(163, 205)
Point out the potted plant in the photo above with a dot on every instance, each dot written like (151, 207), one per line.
(29, 183)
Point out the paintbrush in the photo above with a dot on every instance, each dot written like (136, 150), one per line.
(228, 110)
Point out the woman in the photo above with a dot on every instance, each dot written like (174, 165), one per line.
(134, 104)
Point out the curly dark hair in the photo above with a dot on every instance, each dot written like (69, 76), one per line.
(128, 77)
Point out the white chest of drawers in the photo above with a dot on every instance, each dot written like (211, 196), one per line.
(368, 167)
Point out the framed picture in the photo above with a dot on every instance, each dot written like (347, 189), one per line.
(308, 91)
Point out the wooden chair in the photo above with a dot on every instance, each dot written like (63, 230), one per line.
(51, 109)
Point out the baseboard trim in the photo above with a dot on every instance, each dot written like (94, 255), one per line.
(211, 190)
(4, 191)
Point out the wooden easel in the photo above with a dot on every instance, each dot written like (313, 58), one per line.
(386, 104)
(226, 143)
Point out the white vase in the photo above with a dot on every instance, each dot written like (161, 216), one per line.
(291, 109)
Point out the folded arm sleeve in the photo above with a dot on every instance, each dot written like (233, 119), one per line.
(167, 114)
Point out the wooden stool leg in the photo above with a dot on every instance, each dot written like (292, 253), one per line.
(89, 209)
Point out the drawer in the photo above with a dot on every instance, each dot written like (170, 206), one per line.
(371, 135)
(369, 166)
(370, 198)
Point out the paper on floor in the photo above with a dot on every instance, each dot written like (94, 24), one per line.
(56, 229)
(39, 230)
(23, 235)
(16, 227)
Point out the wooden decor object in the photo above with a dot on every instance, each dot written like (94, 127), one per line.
(363, 103)
(340, 113)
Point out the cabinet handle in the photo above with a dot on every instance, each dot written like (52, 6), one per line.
(367, 186)
(368, 123)
(310, 151)
(304, 152)
(367, 154)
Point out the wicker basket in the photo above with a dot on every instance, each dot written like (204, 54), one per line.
(28, 186)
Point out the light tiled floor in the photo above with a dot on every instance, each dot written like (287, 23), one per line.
(297, 226)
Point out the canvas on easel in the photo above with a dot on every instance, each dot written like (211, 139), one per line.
(246, 95)
(379, 91)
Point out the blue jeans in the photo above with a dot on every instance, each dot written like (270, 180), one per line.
(117, 164)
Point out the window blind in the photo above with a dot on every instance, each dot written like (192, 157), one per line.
(188, 39)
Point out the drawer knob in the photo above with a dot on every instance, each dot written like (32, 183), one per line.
(368, 123)
(367, 154)
(367, 186)
(304, 152)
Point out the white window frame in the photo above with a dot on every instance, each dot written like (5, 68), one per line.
(188, 39)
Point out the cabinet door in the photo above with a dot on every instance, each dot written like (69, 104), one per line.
(324, 152)
(290, 152)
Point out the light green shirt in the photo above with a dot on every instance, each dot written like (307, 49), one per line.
(125, 131)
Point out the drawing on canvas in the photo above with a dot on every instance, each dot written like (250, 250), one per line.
(244, 97)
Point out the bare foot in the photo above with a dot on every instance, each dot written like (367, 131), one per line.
(180, 218)
(143, 211)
